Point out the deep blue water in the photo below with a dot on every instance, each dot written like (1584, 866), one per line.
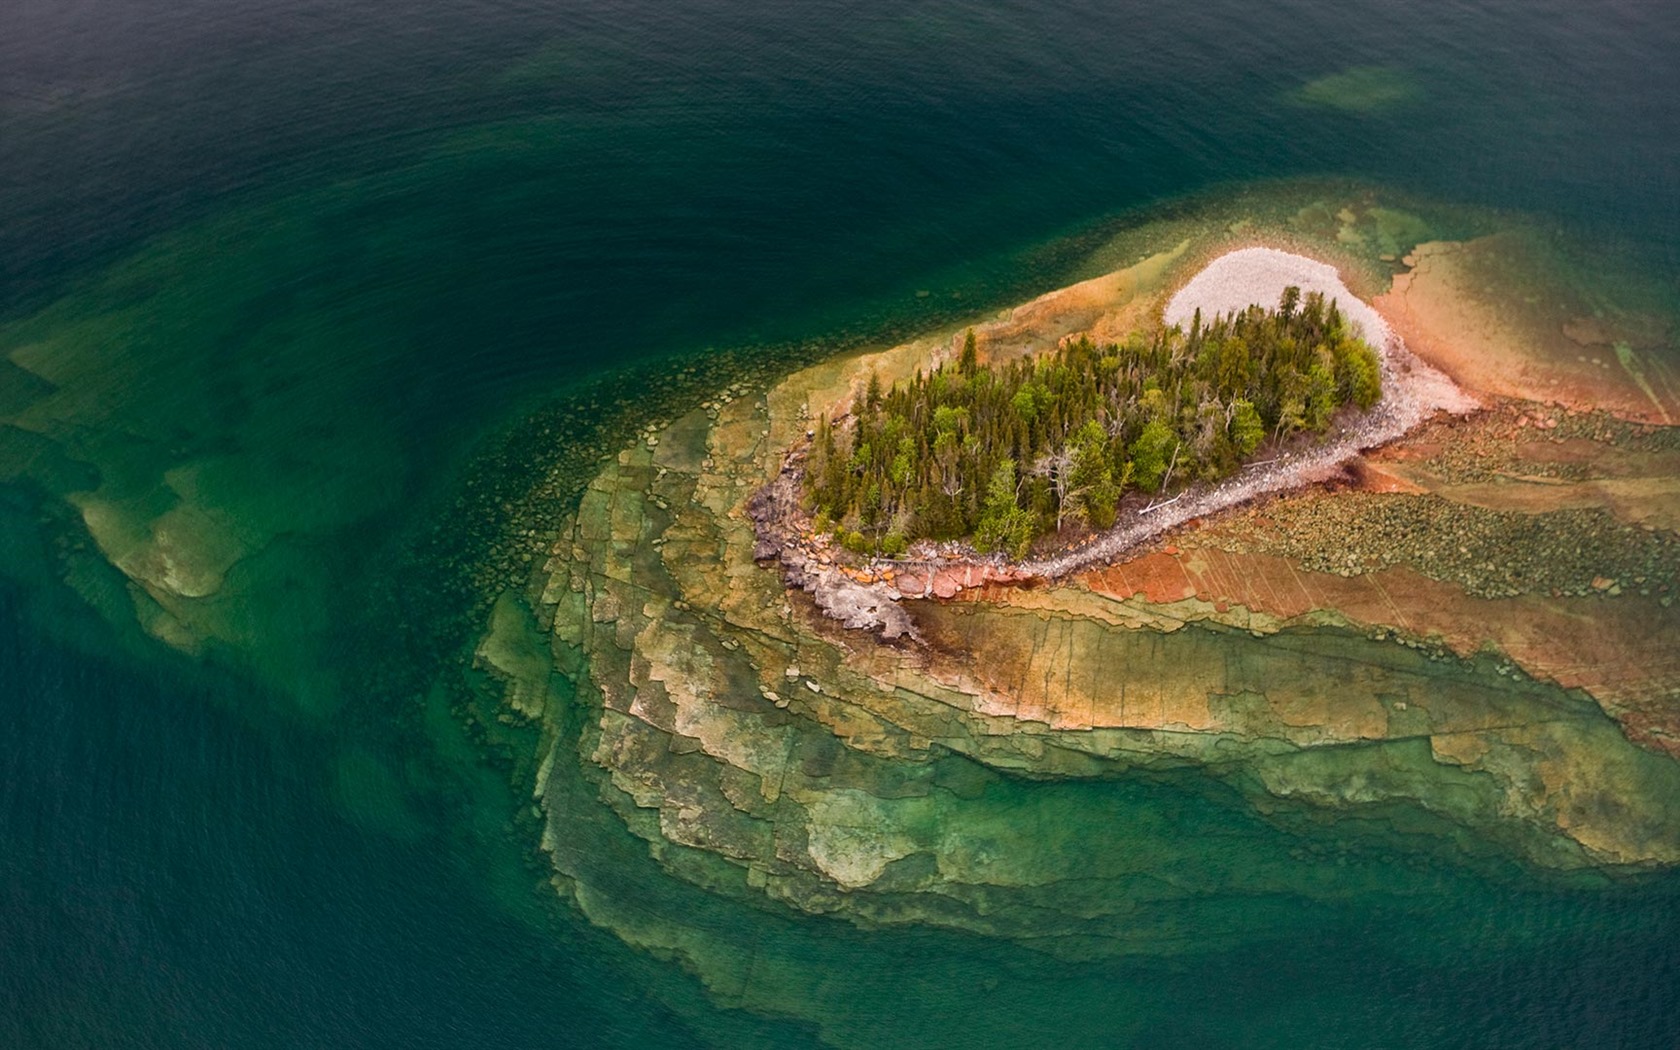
(341, 246)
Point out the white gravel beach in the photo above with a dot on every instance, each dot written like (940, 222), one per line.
(1257, 277)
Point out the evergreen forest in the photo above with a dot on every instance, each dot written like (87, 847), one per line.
(1005, 455)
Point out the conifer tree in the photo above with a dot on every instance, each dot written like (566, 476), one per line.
(969, 362)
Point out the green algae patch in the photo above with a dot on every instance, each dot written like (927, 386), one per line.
(1361, 90)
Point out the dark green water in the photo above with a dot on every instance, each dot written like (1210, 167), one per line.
(295, 271)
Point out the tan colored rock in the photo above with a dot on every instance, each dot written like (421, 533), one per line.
(1457, 309)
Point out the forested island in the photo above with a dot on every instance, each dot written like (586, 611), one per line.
(1436, 651)
(1004, 455)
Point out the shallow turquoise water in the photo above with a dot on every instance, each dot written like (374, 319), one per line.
(334, 253)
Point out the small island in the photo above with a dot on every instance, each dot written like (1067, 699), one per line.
(998, 459)
(1422, 623)
(1043, 450)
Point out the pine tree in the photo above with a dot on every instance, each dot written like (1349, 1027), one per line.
(1003, 525)
(1150, 454)
(1247, 430)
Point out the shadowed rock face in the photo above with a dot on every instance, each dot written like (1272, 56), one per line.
(995, 773)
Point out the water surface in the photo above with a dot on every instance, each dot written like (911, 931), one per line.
(292, 277)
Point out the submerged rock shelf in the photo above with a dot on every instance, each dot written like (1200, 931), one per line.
(996, 774)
